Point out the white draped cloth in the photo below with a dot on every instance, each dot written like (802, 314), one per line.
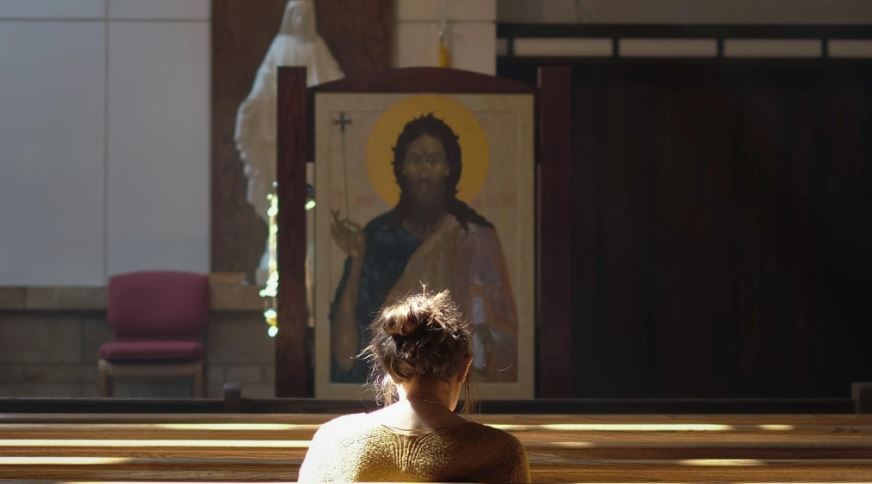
(296, 44)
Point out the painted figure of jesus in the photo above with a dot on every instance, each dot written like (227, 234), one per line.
(429, 237)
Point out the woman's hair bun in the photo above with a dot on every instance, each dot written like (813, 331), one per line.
(418, 312)
(400, 321)
(422, 335)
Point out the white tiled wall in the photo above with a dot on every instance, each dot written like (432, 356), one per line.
(471, 33)
(159, 9)
(51, 152)
(457, 10)
(472, 46)
(158, 137)
(52, 9)
(104, 164)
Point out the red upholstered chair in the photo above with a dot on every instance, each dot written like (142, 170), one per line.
(158, 318)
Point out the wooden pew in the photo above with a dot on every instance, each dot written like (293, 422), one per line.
(626, 448)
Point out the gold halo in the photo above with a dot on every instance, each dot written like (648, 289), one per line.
(475, 152)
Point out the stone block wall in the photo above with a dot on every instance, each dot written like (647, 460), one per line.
(240, 351)
(43, 354)
(54, 352)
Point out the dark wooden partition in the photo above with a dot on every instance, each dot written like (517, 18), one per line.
(554, 234)
(292, 356)
(721, 217)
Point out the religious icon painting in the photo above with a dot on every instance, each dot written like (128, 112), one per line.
(433, 189)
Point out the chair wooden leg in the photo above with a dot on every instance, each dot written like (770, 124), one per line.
(104, 383)
(198, 382)
(106, 370)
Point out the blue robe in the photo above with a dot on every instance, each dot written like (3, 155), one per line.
(388, 248)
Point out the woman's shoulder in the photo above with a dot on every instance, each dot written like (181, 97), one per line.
(345, 426)
(335, 450)
(351, 419)
(346, 419)
(487, 435)
(497, 455)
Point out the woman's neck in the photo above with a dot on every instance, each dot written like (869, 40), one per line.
(423, 404)
(433, 394)
(418, 415)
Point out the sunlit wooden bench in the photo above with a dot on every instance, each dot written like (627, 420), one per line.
(625, 448)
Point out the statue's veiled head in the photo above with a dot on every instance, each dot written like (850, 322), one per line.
(299, 20)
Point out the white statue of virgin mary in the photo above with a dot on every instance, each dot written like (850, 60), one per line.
(296, 44)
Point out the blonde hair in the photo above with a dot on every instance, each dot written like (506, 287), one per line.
(424, 335)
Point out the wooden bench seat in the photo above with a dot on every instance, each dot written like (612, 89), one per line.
(235, 447)
(543, 469)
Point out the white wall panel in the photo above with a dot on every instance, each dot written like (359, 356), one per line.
(857, 49)
(771, 48)
(472, 45)
(524, 11)
(803, 11)
(158, 177)
(563, 47)
(52, 9)
(159, 9)
(686, 11)
(457, 10)
(668, 47)
(51, 162)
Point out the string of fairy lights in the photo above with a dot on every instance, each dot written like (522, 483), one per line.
(271, 288)
(270, 291)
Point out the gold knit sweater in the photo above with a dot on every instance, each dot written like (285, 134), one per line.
(355, 448)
